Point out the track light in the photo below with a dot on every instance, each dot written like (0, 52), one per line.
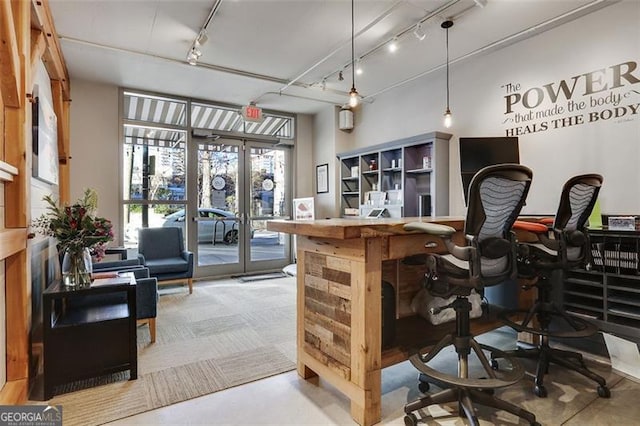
(340, 76)
(419, 32)
(202, 37)
(192, 56)
(393, 45)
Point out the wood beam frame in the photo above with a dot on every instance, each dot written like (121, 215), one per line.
(53, 58)
(15, 18)
(10, 63)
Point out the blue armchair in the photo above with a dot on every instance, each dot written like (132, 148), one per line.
(162, 251)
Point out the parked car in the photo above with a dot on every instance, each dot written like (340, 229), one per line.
(224, 224)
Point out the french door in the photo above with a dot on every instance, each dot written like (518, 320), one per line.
(234, 187)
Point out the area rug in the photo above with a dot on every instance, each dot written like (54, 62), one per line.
(225, 334)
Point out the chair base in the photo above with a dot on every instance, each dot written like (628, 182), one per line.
(189, 282)
(547, 355)
(545, 314)
(442, 379)
(466, 399)
(465, 390)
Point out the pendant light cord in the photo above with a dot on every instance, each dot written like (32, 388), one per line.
(447, 42)
(353, 72)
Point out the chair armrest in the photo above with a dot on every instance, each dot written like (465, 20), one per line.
(188, 256)
(141, 259)
(115, 265)
(445, 232)
(431, 228)
(140, 272)
(146, 298)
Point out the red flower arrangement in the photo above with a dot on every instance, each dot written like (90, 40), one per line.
(75, 226)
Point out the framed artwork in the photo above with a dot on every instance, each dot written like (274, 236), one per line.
(322, 178)
(45, 142)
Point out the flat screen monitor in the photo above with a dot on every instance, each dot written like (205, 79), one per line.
(478, 153)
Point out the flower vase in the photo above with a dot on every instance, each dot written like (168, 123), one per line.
(76, 267)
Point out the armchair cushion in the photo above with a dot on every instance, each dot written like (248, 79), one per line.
(167, 265)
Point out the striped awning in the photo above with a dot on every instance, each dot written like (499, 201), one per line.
(149, 109)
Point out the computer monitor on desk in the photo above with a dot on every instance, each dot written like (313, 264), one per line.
(478, 153)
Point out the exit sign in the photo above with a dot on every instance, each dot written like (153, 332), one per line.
(252, 113)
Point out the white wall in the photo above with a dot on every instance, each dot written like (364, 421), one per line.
(478, 89)
(303, 183)
(324, 152)
(95, 147)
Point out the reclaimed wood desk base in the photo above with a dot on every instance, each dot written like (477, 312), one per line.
(341, 266)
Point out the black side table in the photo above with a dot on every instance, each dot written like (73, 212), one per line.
(89, 332)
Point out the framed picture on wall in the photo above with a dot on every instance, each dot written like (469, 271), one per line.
(322, 178)
(45, 141)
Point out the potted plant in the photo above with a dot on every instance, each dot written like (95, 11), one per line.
(80, 235)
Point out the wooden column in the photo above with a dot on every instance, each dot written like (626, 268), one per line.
(61, 109)
(366, 333)
(17, 153)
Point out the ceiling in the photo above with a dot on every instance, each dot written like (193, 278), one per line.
(286, 55)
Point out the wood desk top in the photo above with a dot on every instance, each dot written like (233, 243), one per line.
(343, 229)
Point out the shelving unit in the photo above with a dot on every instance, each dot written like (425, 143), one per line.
(609, 293)
(413, 186)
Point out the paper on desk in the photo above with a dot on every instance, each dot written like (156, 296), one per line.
(111, 281)
(624, 355)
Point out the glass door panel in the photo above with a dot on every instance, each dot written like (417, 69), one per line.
(218, 220)
(240, 185)
(269, 195)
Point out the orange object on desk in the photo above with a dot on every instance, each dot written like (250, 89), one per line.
(536, 227)
(99, 275)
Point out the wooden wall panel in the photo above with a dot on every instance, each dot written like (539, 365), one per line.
(327, 315)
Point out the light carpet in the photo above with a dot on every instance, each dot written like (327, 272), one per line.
(225, 334)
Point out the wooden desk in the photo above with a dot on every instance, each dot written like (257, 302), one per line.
(341, 264)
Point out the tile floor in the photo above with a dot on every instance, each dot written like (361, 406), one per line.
(286, 399)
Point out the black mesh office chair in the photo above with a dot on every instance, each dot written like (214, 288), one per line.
(565, 246)
(496, 196)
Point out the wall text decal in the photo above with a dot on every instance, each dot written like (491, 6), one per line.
(597, 96)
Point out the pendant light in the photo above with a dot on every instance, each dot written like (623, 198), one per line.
(447, 114)
(353, 94)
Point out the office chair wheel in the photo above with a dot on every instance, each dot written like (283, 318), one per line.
(604, 392)
(423, 387)
(535, 424)
(541, 391)
(410, 420)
